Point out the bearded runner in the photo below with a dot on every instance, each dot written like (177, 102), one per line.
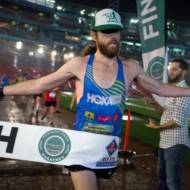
(57, 146)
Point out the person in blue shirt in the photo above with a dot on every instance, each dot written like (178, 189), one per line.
(4, 80)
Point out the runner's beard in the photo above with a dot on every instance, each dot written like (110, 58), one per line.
(108, 51)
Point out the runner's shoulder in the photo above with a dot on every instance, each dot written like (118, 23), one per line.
(131, 63)
(79, 61)
(132, 66)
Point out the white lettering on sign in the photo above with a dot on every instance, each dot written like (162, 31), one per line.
(147, 9)
(148, 12)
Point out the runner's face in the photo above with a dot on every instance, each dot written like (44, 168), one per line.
(175, 73)
(108, 42)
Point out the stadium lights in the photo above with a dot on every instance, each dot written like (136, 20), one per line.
(45, 3)
(40, 50)
(89, 38)
(91, 14)
(71, 54)
(54, 53)
(15, 61)
(31, 53)
(80, 20)
(134, 21)
(177, 50)
(82, 11)
(138, 44)
(19, 45)
(68, 56)
(128, 43)
(59, 8)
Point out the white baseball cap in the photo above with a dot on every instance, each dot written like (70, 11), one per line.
(106, 19)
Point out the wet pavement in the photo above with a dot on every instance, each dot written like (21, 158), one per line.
(138, 174)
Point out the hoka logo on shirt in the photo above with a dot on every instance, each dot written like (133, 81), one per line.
(104, 100)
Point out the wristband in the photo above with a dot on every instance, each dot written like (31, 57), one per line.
(1, 92)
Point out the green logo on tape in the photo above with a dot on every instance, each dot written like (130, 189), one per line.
(54, 145)
(156, 68)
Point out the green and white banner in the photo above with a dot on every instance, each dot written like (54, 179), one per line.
(151, 14)
(57, 146)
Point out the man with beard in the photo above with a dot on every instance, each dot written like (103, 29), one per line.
(174, 138)
(101, 85)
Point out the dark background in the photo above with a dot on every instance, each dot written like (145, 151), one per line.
(175, 9)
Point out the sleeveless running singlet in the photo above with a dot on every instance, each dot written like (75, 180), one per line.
(100, 110)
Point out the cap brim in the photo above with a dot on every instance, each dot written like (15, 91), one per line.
(107, 27)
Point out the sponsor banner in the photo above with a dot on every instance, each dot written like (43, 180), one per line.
(57, 146)
(151, 14)
(154, 64)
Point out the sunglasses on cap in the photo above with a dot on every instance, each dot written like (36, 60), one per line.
(110, 31)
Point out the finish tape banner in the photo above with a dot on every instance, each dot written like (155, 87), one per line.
(151, 14)
(57, 146)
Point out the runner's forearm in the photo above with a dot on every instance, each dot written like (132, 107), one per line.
(174, 91)
(23, 88)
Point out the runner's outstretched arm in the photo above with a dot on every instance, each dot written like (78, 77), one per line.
(36, 86)
(160, 89)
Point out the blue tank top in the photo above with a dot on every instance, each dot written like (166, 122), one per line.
(100, 110)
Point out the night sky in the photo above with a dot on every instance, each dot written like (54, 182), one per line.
(175, 9)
